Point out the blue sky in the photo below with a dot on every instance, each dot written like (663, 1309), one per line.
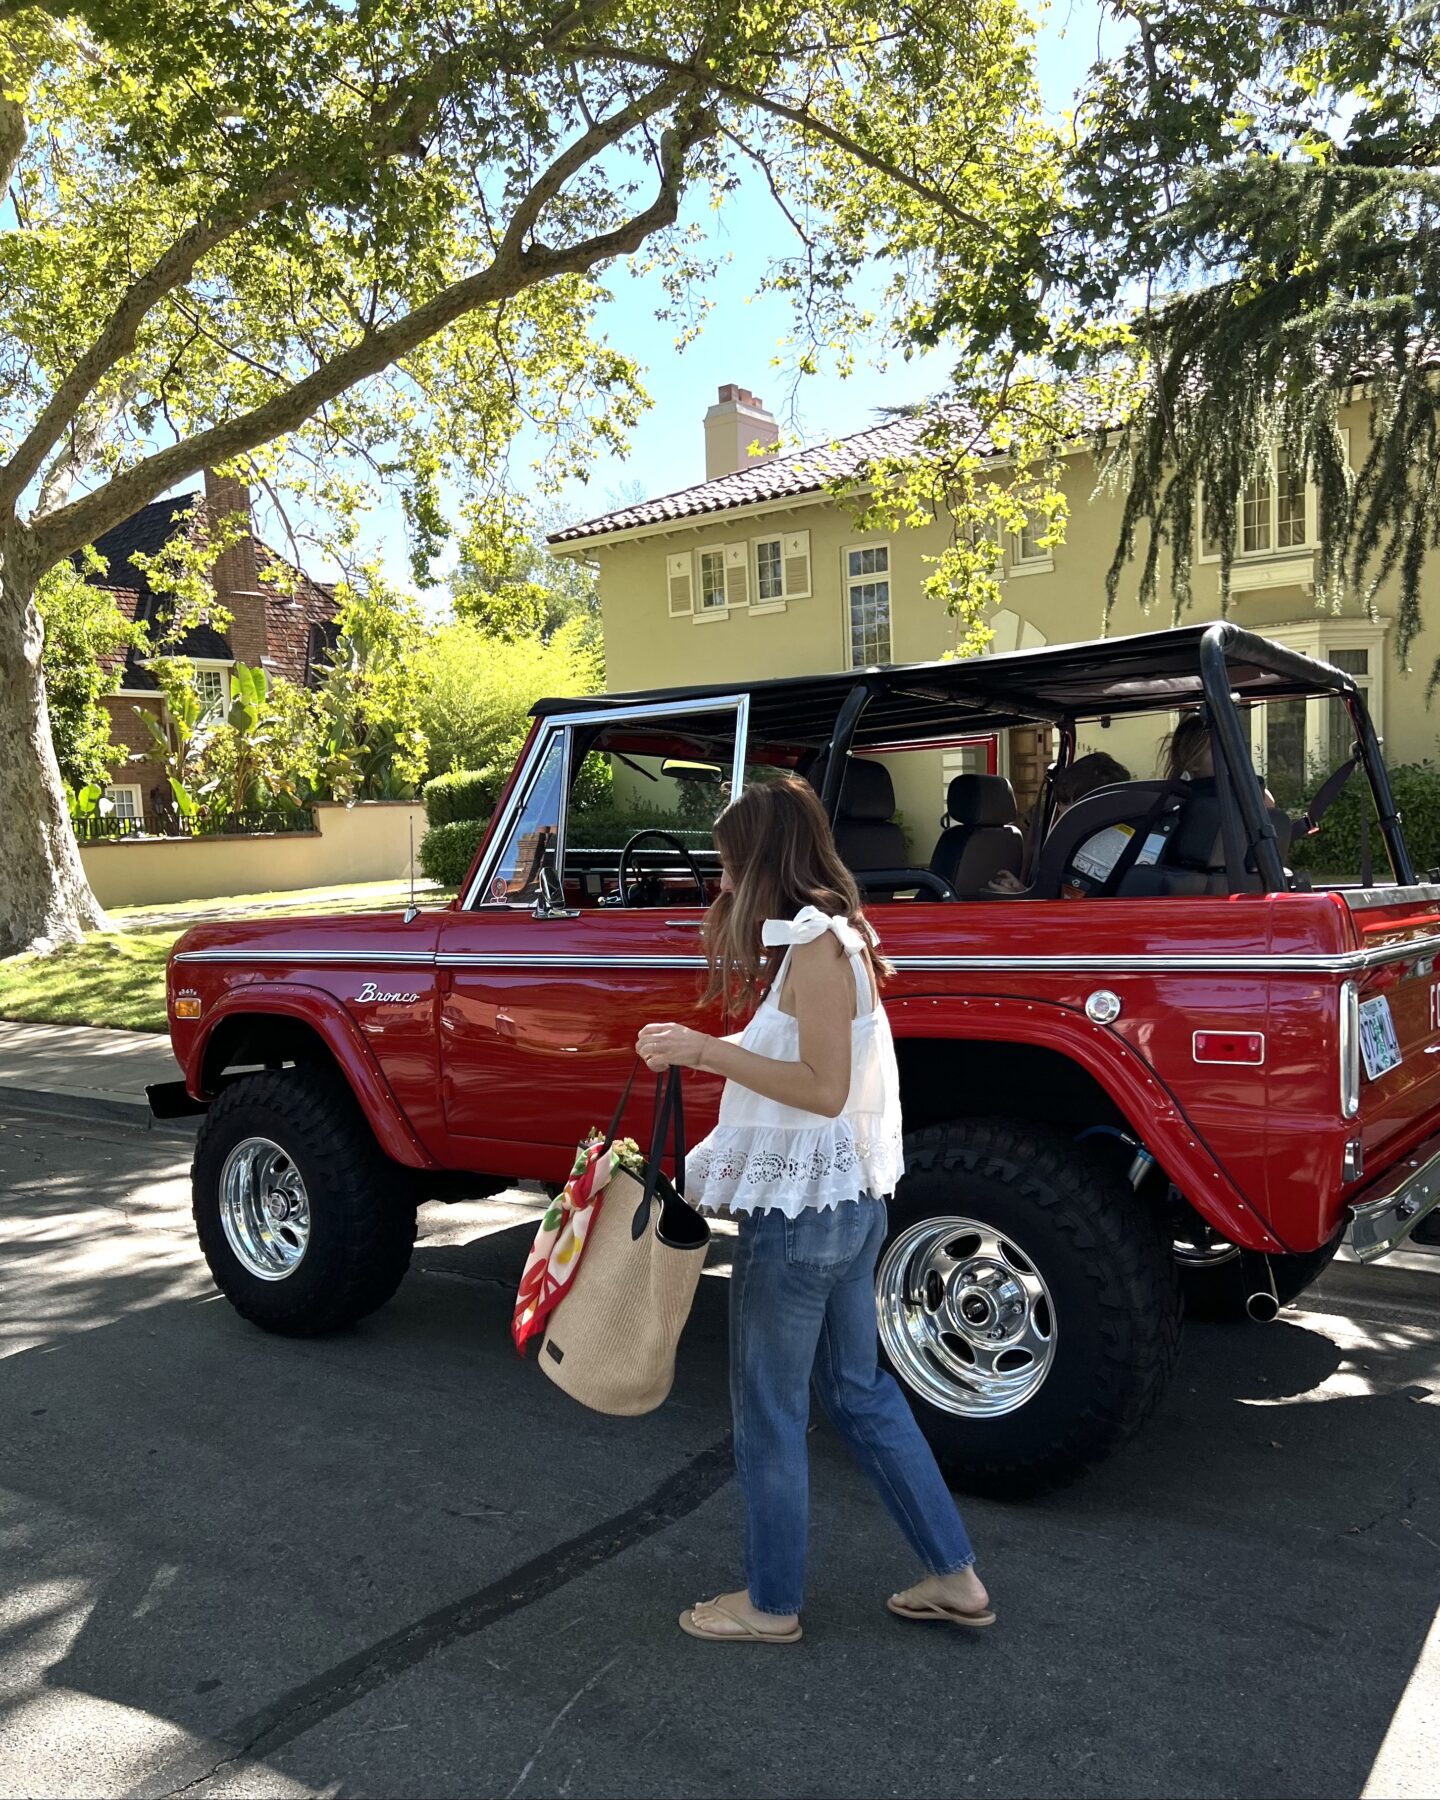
(742, 341)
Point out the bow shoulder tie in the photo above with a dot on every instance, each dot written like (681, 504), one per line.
(810, 923)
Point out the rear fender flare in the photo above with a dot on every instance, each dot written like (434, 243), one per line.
(341, 1036)
(1144, 1100)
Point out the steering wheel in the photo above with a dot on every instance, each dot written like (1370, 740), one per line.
(645, 887)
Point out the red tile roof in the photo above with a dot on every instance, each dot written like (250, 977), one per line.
(803, 472)
(767, 478)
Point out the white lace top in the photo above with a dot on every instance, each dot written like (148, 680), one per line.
(762, 1154)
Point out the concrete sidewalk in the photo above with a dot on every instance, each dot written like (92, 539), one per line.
(84, 1073)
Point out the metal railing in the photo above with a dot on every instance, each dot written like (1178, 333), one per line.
(95, 828)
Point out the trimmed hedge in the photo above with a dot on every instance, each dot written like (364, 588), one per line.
(609, 827)
(463, 794)
(447, 851)
(1334, 851)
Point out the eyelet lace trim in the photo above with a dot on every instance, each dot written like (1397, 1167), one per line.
(745, 1169)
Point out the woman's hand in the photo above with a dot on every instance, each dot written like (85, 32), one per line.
(664, 1047)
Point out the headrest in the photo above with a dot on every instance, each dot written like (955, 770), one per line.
(867, 793)
(981, 800)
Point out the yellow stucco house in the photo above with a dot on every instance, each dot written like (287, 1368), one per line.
(758, 571)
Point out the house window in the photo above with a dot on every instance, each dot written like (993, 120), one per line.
(867, 599)
(125, 801)
(1027, 555)
(712, 581)
(769, 570)
(780, 569)
(1290, 527)
(210, 685)
(1296, 743)
(1277, 512)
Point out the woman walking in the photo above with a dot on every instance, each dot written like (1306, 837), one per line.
(807, 1147)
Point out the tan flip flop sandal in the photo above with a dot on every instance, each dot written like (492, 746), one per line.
(747, 1633)
(947, 1615)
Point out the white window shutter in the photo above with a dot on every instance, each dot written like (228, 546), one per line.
(737, 575)
(795, 549)
(680, 577)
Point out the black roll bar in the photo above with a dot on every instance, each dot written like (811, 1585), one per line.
(1222, 641)
(1241, 784)
(838, 748)
(1385, 808)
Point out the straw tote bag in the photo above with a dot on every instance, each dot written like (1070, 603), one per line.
(611, 1341)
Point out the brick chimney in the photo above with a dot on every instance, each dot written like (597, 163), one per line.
(737, 420)
(236, 574)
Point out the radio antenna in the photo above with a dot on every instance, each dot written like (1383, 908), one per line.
(412, 911)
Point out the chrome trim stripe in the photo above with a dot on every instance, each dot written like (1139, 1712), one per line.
(361, 958)
(1358, 899)
(1346, 962)
(460, 960)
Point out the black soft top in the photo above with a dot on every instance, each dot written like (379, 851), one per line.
(908, 703)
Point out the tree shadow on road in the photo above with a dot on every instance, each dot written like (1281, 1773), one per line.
(201, 1519)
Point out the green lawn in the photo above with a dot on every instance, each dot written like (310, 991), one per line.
(114, 978)
(117, 978)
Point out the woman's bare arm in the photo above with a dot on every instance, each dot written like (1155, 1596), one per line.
(820, 987)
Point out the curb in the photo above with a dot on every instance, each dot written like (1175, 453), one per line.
(59, 1103)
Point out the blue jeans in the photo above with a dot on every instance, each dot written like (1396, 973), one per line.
(802, 1309)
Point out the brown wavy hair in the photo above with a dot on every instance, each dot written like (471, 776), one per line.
(777, 845)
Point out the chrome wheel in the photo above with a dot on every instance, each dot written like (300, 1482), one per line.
(1204, 1251)
(965, 1317)
(264, 1209)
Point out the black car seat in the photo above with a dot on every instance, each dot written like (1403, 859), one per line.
(867, 833)
(870, 839)
(980, 838)
(1084, 849)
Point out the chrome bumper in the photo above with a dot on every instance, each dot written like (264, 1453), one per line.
(1396, 1204)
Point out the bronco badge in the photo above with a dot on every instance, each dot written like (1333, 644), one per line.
(370, 992)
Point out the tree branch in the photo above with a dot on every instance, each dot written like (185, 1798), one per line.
(398, 127)
(807, 121)
(12, 137)
(117, 337)
(513, 269)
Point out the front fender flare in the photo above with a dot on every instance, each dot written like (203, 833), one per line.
(1146, 1103)
(342, 1037)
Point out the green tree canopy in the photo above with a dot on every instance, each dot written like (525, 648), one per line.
(507, 582)
(1246, 235)
(86, 637)
(1264, 181)
(332, 244)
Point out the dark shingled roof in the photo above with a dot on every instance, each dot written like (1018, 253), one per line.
(148, 531)
(300, 630)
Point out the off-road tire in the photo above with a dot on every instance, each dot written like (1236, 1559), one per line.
(1111, 1277)
(362, 1207)
(1217, 1295)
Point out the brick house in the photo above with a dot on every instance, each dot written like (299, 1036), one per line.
(286, 635)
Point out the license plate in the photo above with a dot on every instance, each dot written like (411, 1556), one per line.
(1378, 1044)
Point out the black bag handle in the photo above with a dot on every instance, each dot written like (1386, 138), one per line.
(669, 1108)
(614, 1131)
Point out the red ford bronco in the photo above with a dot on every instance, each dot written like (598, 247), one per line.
(1169, 1073)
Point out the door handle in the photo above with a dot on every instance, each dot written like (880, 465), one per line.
(684, 924)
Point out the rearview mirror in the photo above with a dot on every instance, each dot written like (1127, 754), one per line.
(681, 769)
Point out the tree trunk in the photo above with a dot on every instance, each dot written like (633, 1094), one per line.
(45, 896)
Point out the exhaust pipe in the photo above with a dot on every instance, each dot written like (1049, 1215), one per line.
(1261, 1300)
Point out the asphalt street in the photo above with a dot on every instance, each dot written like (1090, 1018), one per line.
(399, 1562)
